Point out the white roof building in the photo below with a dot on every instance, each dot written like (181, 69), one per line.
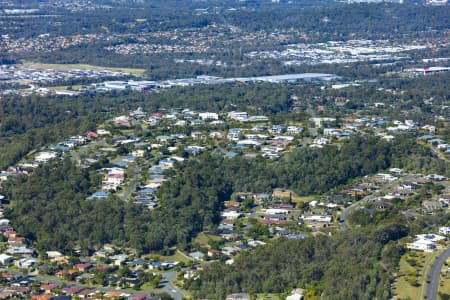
(46, 156)
(444, 230)
(422, 245)
(4, 258)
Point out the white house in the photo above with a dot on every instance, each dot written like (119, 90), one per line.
(385, 177)
(102, 131)
(321, 219)
(208, 116)
(46, 156)
(296, 294)
(138, 153)
(321, 141)
(54, 254)
(444, 230)
(294, 129)
(238, 115)
(422, 245)
(230, 215)
(4, 259)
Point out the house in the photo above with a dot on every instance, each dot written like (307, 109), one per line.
(260, 198)
(238, 115)
(238, 296)
(193, 150)
(232, 203)
(19, 250)
(72, 290)
(102, 132)
(321, 141)
(19, 290)
(138, 262)
(123, 121)
(154, 265)
(114, 294)
(296, 294)
(84, 267)
(435, 177)
(86, 293)
(197, 255)
(197, 135)
(208, 116)
(382, 177)
(444, 230)
(64, 273)
(42, 297)
(234, 134)
(230, 215)
(119, 259)
(422, 245)
(10, 233)
(294, 129)
(214, 253)
(276, 211)
(26, 263)
(138, 153)
(48, 288)
(216, 135)
(53, 254)
(169, 264)
(277, 129)
(432, 205)
(46, 156)
(317, 221)
(5, 259)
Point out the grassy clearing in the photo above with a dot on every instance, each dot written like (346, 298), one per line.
(289, 194)
(403, 288)
(414, 269)
(177, 256)
(65, 87)
(202, 239)
(66, 67)
(299, 200)
(444, 285)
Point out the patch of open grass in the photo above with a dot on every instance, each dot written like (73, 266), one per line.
(66, 67)
(414, 268)
(286, 194)
(65, 87)
(203, 238)
(444, 281)
(176, 256)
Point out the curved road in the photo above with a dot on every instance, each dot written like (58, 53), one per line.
(433, 277)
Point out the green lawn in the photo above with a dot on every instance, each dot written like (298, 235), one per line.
(177, 256)
(64, 87)
(404, 288)
(444, 286)
(203, 238)
(64, 67)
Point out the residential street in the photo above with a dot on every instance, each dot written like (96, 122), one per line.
(433, 277)
(169, 287)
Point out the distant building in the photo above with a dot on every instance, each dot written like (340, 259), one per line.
(238, 296)
(238, 115)
(208, 116)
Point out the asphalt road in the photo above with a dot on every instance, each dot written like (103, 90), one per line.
(433, 276)
(168, 286)
(133, 186)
